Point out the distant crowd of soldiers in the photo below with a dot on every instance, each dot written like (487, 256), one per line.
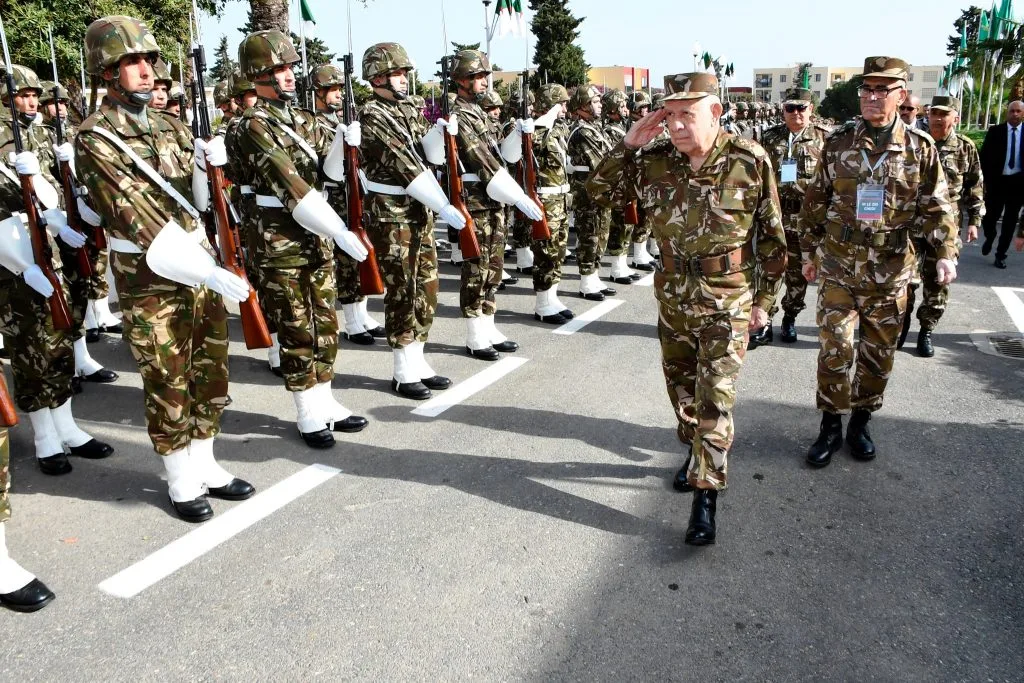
(713, 198)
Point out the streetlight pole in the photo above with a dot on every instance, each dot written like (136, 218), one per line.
(696, 53)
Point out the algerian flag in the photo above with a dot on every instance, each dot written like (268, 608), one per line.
(510, 18)
(309, 23)
(984, 27)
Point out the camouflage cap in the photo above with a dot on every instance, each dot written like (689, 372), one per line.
(550, 95)
(637, 99)
(221, 95)
(491, 100)
(384, 58)
(24, 79)
(468, 63)
(886, 67)
(946, 103)
(175, 90)
(690, 86)
(658, 101)
(797, 95)
(47, 96)
(613, 99)
(264, 51)
(582, 96)
(162, 72)
(108, 39)
(327, 76)
(239, 85)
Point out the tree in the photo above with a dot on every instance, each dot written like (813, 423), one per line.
(841, 101)
(268, 14)
(802, 77)
(971, 17)
(223, 66)
(558, 58)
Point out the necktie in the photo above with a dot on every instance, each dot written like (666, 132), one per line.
(1013, 147)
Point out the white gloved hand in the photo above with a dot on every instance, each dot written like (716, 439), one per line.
(452, 216)
(26, 163)
(87, 214)
(945, 270)
(64, 153)
(71, 237)
(56, 221)
(350, 244)
(228, 285)
(35, 279)
(451, 125)
(530, 209)
(525, 126)
(212, 152)
(353, 134)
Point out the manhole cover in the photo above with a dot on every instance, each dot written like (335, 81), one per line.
(1012, 347)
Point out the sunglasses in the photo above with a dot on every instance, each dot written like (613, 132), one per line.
(908, 108)
(790, 108)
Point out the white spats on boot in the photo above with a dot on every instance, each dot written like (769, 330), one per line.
(353, 319)
(405, 372)
(12, 576)
(640, 254)
(368, 322)
(330, 410)
(104, 317)
(619, 267)
(456, 257)
(547, 303)
(589, 284)
(67, 430)
(477, 334)
(44, 433)
(184, 481)
(652, 247)
(419, 363)
(85, 364)
(308, 417)
(555, 301)
(209, 471)
(90, 322)
(274, 352)
(493, 335)
(524, 257)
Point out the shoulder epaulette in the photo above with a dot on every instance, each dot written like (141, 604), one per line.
(843, 129)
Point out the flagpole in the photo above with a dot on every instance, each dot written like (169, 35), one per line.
(974, 111)
(487, 36)
(302, 42)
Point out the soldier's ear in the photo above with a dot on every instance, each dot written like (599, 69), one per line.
(716, 110)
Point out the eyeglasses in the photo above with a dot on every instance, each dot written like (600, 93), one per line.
(881, 92)
(790, 108)
(908, 108)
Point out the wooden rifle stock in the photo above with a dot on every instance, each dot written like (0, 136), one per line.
(74, 219)
(630, 216)
(540, 230)
(8, 416)
(43, 258)
(456, 193)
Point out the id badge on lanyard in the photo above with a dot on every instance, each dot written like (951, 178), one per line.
(788, 166)
(871, 196)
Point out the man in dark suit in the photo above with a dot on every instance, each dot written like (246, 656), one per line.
(1003, 170)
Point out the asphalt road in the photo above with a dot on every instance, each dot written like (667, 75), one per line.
(530, 532)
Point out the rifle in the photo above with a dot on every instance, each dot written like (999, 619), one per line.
(36, 226)
(630, 216)
(8, 416)
(540, 230)
(456, 190)
(81, 71)
(370, 281)
(67, 179)
(254, 326)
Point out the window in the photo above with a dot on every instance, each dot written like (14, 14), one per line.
(911, 78)
(763, 81)
(628, 81)
(837, 78)
(782, 78)
(928, 93)
(931, 76)
(817, 78)
(817, 93)
(643, 82)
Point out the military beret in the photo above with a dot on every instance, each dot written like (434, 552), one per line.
(946, 103)
(690, 86)
(797, 95)
(886, 67)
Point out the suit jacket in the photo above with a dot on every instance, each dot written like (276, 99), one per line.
(993, 150)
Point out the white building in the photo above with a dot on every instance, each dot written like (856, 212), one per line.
(770, 84)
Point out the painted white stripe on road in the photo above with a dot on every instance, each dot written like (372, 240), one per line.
(1012, 302)
(584, 319)
(467, 387)
(645, 281)
(176, 554)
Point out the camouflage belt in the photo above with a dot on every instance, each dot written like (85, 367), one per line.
(709, 265)
(874, 238)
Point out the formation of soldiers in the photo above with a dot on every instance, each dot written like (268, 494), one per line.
(725, 203)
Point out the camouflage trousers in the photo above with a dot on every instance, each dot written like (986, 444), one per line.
(5, 476)
(179, 340)
(642, 231)
(42, 358)
(934, 297)
(346, 273)
(592, 224)
(548, 255)
(98, 286)
(481, 277)
(77, 287)
(794, 300)
(408, 262)
(520, 230)
(620, 234)
(702, 351)
(300, 306)
(879, 312)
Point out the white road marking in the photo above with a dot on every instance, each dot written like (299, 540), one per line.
(467, 387)
(584, 319)
(1013, 304)
(176, 554)
(645, 281)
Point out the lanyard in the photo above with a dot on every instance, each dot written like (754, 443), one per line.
(872, 169)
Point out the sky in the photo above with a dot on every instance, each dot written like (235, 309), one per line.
(654, 34)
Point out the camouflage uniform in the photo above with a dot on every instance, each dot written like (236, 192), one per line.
(728, 206)
(620, 234)
(550, 147)
(519, 227)
(587, 146)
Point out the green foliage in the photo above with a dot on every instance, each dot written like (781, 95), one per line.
(558, 58)
(223, 65)
(841, 101)
(971, 17)
(802, 77)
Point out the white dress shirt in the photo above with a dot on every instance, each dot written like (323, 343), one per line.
(1014, 138)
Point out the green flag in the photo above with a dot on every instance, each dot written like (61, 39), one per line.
(984, 27)
(307, 16)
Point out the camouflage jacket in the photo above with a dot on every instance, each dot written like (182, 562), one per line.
(132, 207)
(962, 166)
(280, 172)
(391, 154)
(479, 153)
(36, 137)
(224, 124)
(614, 131)
(587, 147)
(11, 201)
(731, 201)
(327, 122)
(69, 129)
(916, 201)
(803, 148)
(550, 149)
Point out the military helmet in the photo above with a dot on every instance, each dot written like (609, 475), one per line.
(581, 97)
(613, 99)
(264, 51)
(162, 72)
(221, 94)
(659, 101)
(491, 100)
(741, 106)
(24, 79)
(238, 85)
(326, 76)
(550, 95)
(109, 39)
(469, 63)
(637, 99)
(47, 95)
(175, 91)
(384, 58)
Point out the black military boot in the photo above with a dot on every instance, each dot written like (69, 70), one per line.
(830, 440)
(31, 597)
(924, 344)
(681, 482)
(762, 337)
(701, 530)
(908, 316)
(788, 328)
(861, 445)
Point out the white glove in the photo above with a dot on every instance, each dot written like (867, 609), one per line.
(88, 215)
(211, 152)
(353, 134)
(35, 279)
(945, 270)
(71, 237)
(351, 245)
(228, 285)
(530, 209)
(452, 216)
(26, 163)
(64, 153)
(451, 125)
(525, 126)
(56, 221)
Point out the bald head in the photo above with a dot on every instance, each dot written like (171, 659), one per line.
(909, 109)
(1015, 112)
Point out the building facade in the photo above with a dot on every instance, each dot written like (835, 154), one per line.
(770, 84)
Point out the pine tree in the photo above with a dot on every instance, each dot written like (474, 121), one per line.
(223, 65)
(558, 58)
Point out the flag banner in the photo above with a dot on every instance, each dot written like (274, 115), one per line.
(510, 18)
(309, 23)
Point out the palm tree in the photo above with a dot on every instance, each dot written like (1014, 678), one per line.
(269, 14)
